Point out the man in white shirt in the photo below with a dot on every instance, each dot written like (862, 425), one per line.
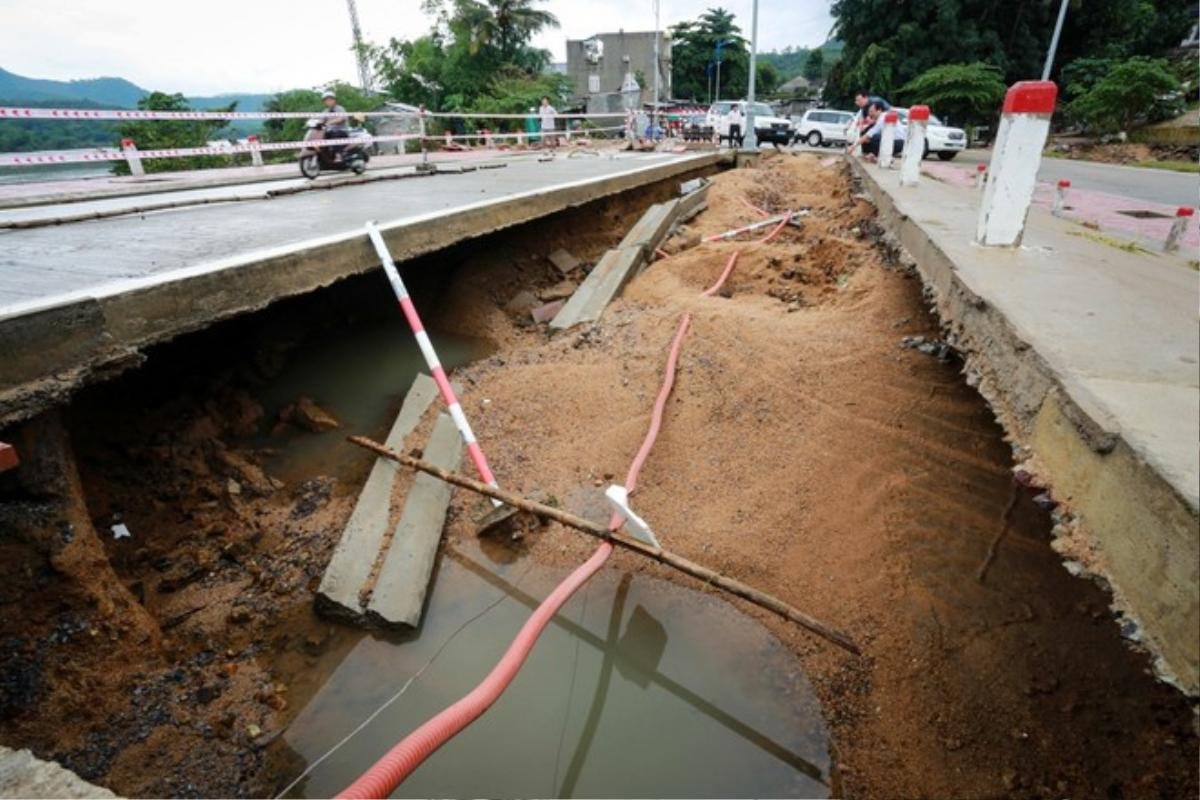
(548, 114)
(735, 125)
(874, 135)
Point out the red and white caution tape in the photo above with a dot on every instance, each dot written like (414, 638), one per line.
(432, 361)
(114, 154)
(125, 114)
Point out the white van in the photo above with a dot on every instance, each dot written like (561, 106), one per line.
(767, 126)
(823, 127)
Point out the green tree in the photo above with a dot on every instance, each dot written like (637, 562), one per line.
(767, 78)
(694, 54)
(1136, 89)
(1012, 36)
(507, 24)
(966, 93)
(814, 65)
(167, 134)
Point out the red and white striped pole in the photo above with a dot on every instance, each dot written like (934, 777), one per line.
(1060, 197)
(980, 175)
(131, 157)
(1183, 215)
(431, 359)
(914, 148)
(887, 139)
(1016, 156)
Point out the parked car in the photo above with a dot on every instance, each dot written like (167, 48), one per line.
(823, 127)
(767, 126)
(941, 139)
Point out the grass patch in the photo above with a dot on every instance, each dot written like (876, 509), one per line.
(1172, 166)
(1121, 244)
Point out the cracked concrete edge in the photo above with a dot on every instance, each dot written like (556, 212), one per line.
(1119, 520)
(22, 774)
(47, 354)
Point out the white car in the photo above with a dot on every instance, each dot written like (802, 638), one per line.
(823, 127)
(940, 138)
(767, 126)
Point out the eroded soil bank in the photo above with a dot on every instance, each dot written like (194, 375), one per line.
(804, 451)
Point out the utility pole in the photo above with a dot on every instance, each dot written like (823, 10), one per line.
(720, 44)
(751, 141)
(1062, 15)
(657, 68)
(360, 53)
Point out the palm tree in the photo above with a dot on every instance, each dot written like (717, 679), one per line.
(508, 24)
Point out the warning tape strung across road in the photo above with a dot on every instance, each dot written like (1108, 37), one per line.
(113, 154)
(43, 157)
(68, 114)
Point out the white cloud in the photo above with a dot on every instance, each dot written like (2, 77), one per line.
(224, 46)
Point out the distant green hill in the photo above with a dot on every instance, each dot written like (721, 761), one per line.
(790, 60)
(17, 136)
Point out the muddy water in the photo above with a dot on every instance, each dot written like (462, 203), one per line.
(638, 688)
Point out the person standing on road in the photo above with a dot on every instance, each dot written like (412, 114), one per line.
(735, 125)
(548, 114)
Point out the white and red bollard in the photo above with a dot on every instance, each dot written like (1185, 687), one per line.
(914, 148)
(1182, 216)
(255, 151)
(1060, 198)
(1016, 156)
(131, 157)
(887, 139)
(980, 175)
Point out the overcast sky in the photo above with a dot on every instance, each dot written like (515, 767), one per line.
(202, 48)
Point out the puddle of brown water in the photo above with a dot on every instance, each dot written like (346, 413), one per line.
(638, 688)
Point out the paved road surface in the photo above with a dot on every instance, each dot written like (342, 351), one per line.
(1151, 185)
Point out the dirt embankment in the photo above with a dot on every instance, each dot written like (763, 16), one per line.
(807, 452)
(804, 451)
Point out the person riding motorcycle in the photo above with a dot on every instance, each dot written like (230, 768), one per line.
(335, 127)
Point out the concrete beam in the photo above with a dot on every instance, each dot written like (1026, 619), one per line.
(399, 594)
(350, 566)
(602, 284)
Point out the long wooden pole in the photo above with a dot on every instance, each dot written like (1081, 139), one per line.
(698, 571)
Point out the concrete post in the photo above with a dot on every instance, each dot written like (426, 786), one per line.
(1060, 198)
(980, 175)
(1182, 215)
(914, 148)
(1016, 156)
(255, 152)
(131, 157)
(887, 140)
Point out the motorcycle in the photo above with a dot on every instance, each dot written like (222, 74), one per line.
(314, 159)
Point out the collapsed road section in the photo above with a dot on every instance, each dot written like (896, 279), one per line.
(172, 527)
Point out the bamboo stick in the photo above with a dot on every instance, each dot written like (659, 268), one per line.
(705, 574)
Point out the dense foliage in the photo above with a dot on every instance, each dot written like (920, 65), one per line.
(964, 94)
(695, 56)
(889, 44)
(155, 134)
(1138, 89)
(23, 136)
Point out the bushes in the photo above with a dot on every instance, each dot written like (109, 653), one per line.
(1138, 89)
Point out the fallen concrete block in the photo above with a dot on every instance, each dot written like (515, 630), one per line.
(694, 201)
(352, 560)
(399, 594)
(24, 775)
(563, 261)
(652, 228)
(602, 285)
(548, 311)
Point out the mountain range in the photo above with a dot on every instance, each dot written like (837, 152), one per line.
(103, 92)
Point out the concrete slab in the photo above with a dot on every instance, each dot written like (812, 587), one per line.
(81, 300)
(353, 558)
(652, 228)
(602, 284)
(24, 775)
(1088, 354)
(399, 595)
